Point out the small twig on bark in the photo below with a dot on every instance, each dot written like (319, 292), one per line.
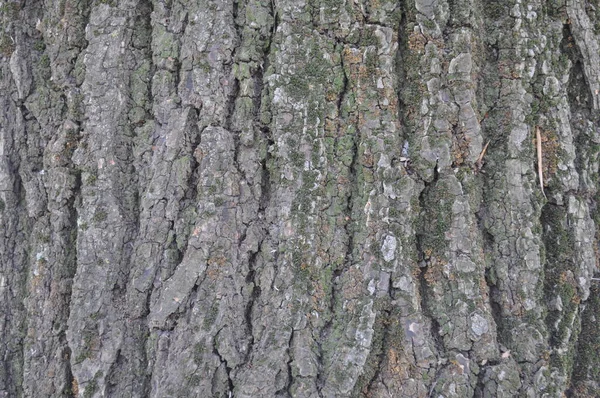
(538, 143)
(479, 161)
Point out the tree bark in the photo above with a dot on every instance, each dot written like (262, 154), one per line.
(299, 198)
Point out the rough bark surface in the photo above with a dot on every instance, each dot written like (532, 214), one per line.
(291, 198)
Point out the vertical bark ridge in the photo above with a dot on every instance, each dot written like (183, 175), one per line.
(445, 145)
(50, 104)
(512, 222)
(15, 223)
(108, 207)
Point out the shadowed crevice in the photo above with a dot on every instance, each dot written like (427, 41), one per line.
(347, 213)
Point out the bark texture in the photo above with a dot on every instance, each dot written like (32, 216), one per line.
(291, 198)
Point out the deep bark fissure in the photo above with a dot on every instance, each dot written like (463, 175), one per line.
(349, 233)
(235, 91)
(263, 137)
(228, 370)
(190, 196)
(424, 258)
(436, 379)
(379, 350)
(400, 66)
(233, 96)
(64, 263)
(489, 274)
(113, 370)
(478, 391)
(129, 363)
(290, 378)
(250, 280)
(586, 361)
(15, 381)
(70, 380)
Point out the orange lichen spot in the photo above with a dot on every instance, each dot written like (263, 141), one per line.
(36, 281)
(362, 73)
(330, 127)
(352, 288)
(546, 355)
(395, 365)
(352, 55)
(215, 267)
(483, 288)
(75, 387)
(367, 160)
(428, 252)
(212, 273)
(564, 277)
(416, 272)
(597, 250)
(198, 155)
(509, 70)
(456, 366)
(342, 180)
(416, 41)
(317, 297)
(460, 148)
(431, 276)
(217, 260)
(331, 96)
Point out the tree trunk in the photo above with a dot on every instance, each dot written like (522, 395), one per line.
(299, 198)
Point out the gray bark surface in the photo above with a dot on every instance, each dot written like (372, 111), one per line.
(299, 198)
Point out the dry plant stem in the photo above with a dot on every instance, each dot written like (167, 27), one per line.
(479, 161)
(538, 142)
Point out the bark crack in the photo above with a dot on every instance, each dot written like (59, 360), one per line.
(230, 385)
(290, 379)
(348, 210)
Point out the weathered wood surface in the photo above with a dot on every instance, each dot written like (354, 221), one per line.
(286, 198)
